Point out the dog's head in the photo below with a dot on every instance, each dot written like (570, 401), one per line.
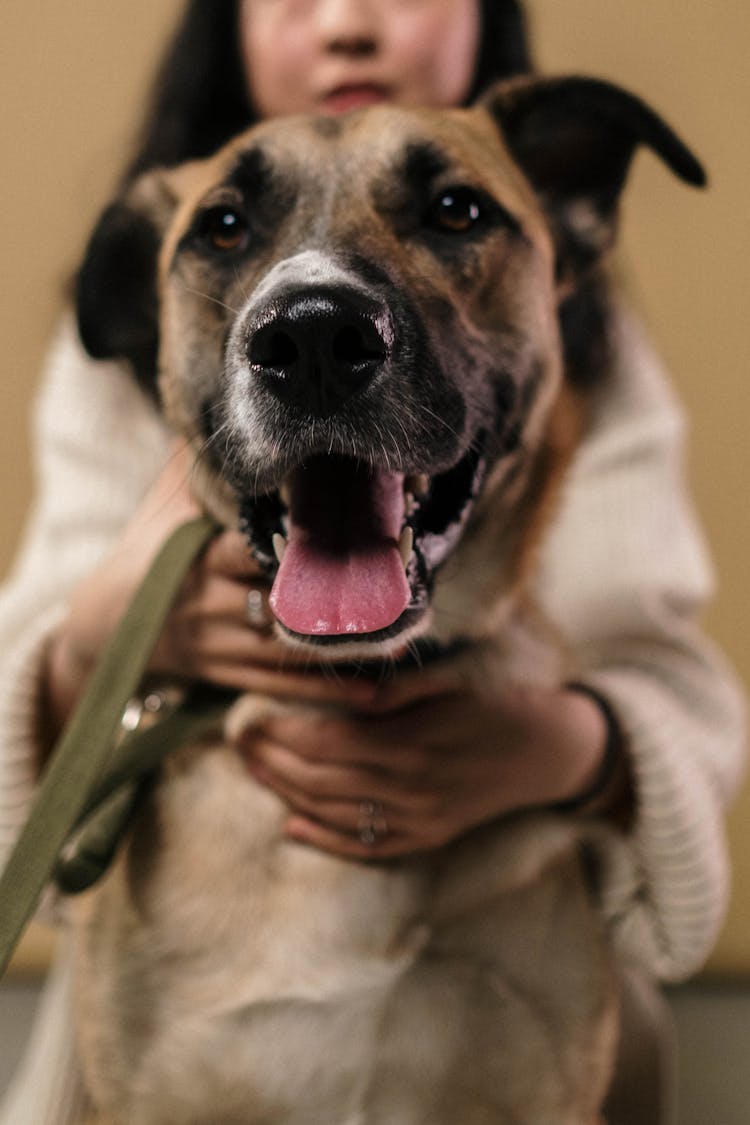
(355, 321)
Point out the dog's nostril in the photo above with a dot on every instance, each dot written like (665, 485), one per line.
(353, 346)
(270, 347)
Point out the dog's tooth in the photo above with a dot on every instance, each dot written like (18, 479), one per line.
(405, 544)
(279, 545)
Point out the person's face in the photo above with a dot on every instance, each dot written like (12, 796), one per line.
(327, 56)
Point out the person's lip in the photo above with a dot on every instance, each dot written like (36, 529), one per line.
(354, 95)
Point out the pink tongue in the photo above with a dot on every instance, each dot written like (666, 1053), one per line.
(342, 572)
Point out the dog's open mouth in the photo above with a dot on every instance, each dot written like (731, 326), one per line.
(352, 548)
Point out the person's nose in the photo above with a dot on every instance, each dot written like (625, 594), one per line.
(349, 27)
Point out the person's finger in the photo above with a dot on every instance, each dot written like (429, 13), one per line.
(394, 745)
(219, 598)
(230, 555)
(411, 688)
(359, 845)
(319, 780)
(194, 645)
(284, 683)
(323, 737)
(347, 816)
(215, 595)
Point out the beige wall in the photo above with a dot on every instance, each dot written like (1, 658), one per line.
(71, 72)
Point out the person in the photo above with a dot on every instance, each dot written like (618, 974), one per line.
(623, 573)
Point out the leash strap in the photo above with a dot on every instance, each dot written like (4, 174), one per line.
(88, 851)
(81, 753)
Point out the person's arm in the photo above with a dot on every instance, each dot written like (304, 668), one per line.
(625, 575)
(98, 444)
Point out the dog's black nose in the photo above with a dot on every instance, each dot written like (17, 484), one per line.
(315, 350)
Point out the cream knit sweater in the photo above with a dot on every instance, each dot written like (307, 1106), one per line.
(624, 574)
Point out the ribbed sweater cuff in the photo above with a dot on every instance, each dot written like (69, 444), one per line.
(19, 711)
(666, 889)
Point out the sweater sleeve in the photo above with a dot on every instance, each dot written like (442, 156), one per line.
(98, 445)
(625, 575)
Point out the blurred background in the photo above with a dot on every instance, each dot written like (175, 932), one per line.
(72, 75)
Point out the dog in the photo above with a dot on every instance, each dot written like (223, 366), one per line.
(361, 324)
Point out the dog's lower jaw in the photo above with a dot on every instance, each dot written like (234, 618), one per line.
(376, 652)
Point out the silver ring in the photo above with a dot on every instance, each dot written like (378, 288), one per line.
(255, 609)
(372, 825)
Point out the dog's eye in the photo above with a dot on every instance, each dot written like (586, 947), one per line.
(225, 228)
(455, 211)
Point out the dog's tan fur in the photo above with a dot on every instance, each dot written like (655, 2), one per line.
(229, 975)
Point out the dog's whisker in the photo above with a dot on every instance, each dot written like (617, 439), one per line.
(210, 297)
(385, 456)
(217, 445)
(240, 284)
(442, 421)
(213, 439)
(414, 653)
(402, 427)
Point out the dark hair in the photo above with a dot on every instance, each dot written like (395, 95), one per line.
(200, 100)
(504, 48)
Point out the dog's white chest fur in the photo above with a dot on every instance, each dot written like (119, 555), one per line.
(235, 977)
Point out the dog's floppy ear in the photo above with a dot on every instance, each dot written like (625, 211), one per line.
(117, 303)
(574, 138)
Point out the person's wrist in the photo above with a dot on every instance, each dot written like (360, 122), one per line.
(65, 673)
(606, 790)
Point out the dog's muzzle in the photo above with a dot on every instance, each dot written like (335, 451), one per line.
(362, 487)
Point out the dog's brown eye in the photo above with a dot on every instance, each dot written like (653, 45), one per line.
(455, 211)
(225, 228)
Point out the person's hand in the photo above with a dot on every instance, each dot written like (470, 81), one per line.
(98, 602)
(212, 632)
(426, 761)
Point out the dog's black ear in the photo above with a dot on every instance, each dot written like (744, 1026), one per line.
(117, 303)
(574, 138)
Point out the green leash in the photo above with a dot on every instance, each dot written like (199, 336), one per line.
(90, 847)
(88, 789)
